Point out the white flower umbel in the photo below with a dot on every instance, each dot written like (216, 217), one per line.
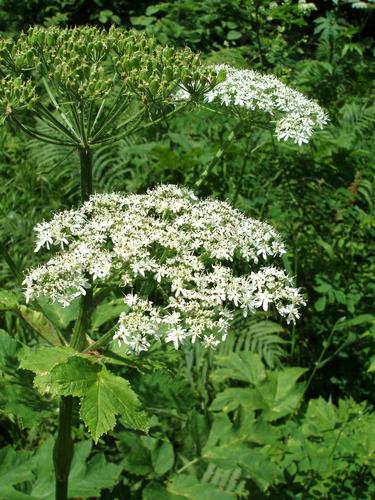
(176, 258)
(296, 116)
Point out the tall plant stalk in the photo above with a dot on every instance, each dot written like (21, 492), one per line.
(64, 446)
(63, 449)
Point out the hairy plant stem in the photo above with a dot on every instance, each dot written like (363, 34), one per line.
(64, 447)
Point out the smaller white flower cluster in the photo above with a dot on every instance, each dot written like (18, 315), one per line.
(177, 259)
(296, 116)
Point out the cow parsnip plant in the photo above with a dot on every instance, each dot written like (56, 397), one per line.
(174, 257)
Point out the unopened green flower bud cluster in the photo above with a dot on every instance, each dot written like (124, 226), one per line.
(154, 72)
(16, 93)
(87, 63)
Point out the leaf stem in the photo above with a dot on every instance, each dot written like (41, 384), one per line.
(78, 340)
(189, 464)
(219, 153)
(40, 136)
(53, 122)
(102, 341)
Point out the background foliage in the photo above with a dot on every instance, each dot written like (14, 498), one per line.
(278, 412)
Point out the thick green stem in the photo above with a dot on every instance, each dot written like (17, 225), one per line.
(85, 156)
(78, 340)
(63, 449)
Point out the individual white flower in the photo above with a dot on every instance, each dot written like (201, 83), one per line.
(138, 343)
(291, 313)
(210, 341)
(264, 299)
(174, 248)
(131, 299)
(177, 336)
(44, 236)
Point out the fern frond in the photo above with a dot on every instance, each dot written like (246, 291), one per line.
(228, 480)
(259, 336)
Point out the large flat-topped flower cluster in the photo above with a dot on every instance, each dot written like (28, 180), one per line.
(296, 116)
(175, 258)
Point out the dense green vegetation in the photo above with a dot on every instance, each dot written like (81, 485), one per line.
(277, 411)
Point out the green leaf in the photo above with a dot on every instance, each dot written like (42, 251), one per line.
(86, 479)
(261, 469)
(162, 457)
(8, 352)
(277, 396)
(44, 359)
(190, 488)
(41, 361)
(19, 399)
(230, 399)
(142, 20)
(320, 304)
(15, 467)
(125, 401)
(107, 311)
(371, 368)
(286, 380)
(153, 9)
(155, 491)
(320, 416)
(221, 430)
(61, 316)
(234, 35)
(358, 320)
(243, 366)
(7, 493)
(136, 457)
(40, 324)
(327, 247)
(231, 445)
(44, 485)
(96, 410)
(281, 393)
(103, 395)
(109, 396)
(75, 377)
(17, 396)
(8, 301)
